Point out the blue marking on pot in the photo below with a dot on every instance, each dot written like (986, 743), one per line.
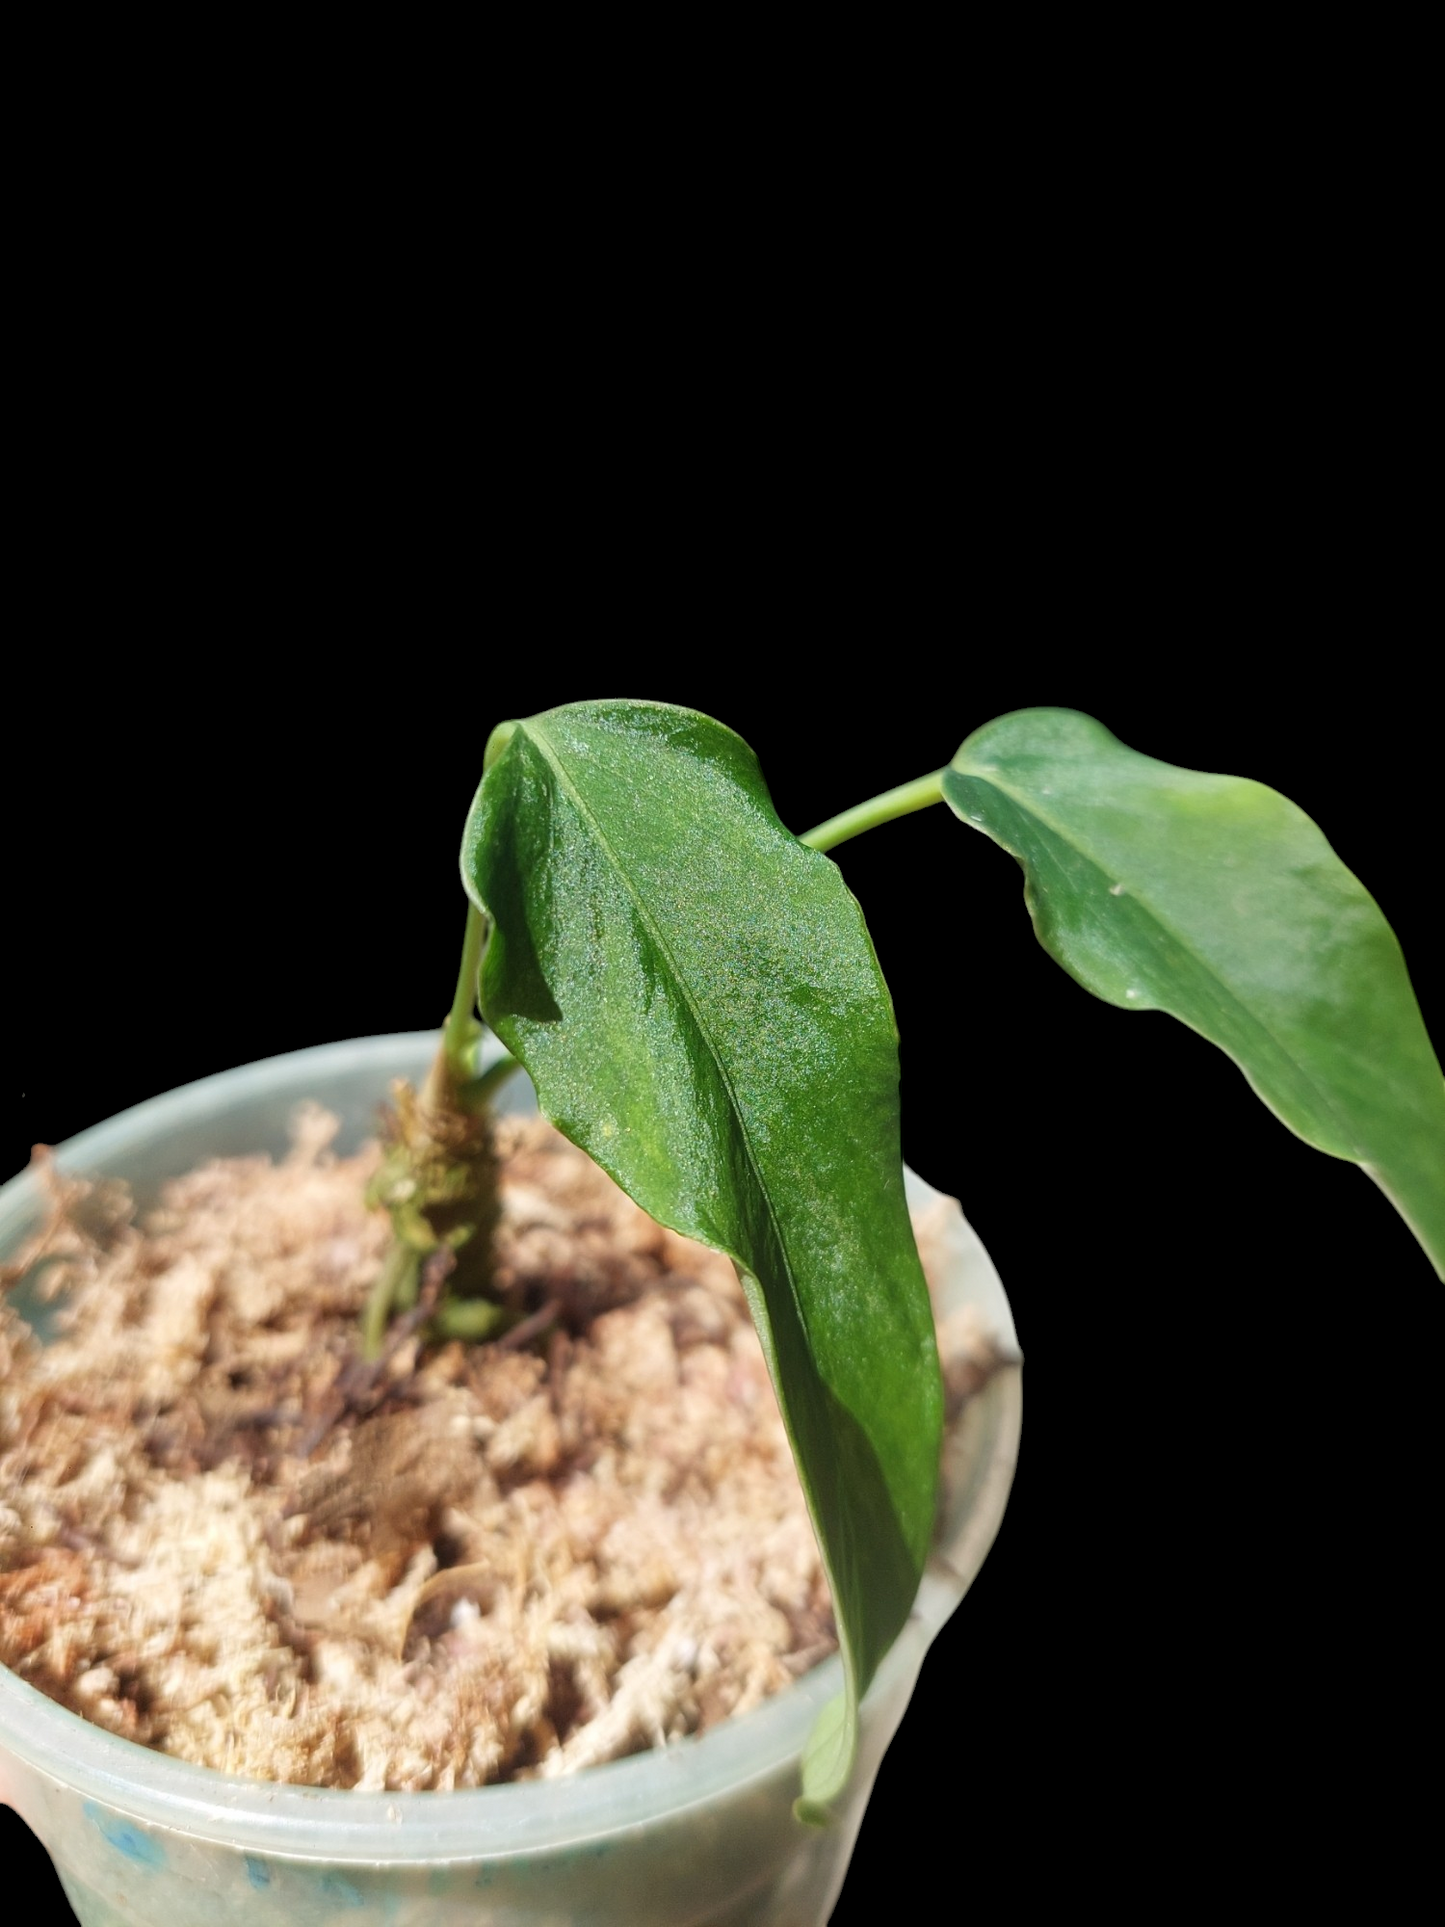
(125, 1838)
(257, 1872)
(341, 1891)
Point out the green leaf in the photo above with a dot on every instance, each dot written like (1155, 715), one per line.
(1220, 901)
(696, 998)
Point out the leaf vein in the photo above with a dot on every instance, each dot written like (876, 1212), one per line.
(1028, 805)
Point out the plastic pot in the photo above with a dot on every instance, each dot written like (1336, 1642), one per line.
(699, 1834)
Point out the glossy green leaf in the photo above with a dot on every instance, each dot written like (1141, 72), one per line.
(1218, 900)
(697, 1001)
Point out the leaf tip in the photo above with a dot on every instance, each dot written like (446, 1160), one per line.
(828, 1759)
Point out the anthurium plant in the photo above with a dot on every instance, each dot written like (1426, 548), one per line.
(695, 995)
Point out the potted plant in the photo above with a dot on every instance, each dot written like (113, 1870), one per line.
(1069, 746)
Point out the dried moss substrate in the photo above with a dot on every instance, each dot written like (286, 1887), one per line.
(223, 1536)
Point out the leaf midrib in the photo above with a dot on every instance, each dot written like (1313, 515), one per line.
(554, 757)
(1026, 803)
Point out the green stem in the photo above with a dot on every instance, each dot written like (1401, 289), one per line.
(460, 1031)
(399, 1271)
(916, 795)
(478, 1091)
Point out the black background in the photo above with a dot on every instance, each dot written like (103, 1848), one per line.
(232, 832)
(1079, 397)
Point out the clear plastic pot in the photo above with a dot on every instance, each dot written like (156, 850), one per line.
(699, 1834)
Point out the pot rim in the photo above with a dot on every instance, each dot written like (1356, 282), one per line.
(520, 1816)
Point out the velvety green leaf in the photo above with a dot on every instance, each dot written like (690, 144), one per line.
(697, 1001)
(1217, 899)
